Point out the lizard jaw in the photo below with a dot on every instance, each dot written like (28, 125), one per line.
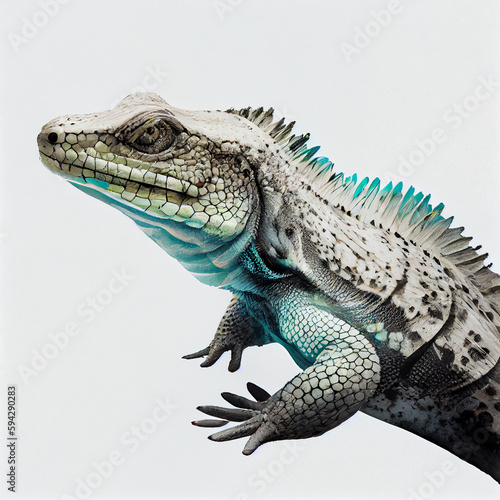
(131, 182)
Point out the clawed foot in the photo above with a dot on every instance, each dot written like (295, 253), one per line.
(251, 413)
(311, 403)
(236, 331)
(215, 350)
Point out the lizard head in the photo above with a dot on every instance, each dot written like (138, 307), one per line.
(161, 165)
(196, 182)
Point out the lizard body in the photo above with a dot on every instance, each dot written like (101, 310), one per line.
(384, 307)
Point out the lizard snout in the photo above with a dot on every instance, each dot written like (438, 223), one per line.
(47, 138)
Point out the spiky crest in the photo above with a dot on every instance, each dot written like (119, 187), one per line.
(406, 213)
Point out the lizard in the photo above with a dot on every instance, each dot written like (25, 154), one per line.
(382, 304)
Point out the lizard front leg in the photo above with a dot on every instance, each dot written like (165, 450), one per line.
(237, 330)
(340, 381)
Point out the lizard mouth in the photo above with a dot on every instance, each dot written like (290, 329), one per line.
(130, 182)
(161, 191)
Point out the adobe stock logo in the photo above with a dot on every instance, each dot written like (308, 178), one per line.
(130, 441)
(150, 80)
(30, 27)
(454, 117)
(87, 311)
(363, 36)
(435, 480)
(264, 477)
(223, 7)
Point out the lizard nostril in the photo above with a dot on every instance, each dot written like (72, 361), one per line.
(52, 137)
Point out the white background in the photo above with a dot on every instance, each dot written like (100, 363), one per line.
(60, 247)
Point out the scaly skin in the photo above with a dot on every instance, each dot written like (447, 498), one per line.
(384, 308)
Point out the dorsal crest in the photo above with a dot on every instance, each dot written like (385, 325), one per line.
(404, 212)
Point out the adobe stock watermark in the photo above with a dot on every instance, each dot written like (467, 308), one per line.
(223, 7)
(285, 113)
(453, 118)
(259, 481)
(130, 442)
(434, 481)
(30, 27)
(86, 312)
(363, 36)
(150, 81)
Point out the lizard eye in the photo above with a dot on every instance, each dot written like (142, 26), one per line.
(152, 138)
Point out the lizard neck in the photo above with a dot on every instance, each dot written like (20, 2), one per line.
(211, 259)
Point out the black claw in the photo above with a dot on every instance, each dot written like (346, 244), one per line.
(209, 422)
(231, 414)
(198, 354)
(257, 392)
(235, 362)
(207, 363)
(212, 357)
(240, 401)
(233, 366)
(241, 430)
